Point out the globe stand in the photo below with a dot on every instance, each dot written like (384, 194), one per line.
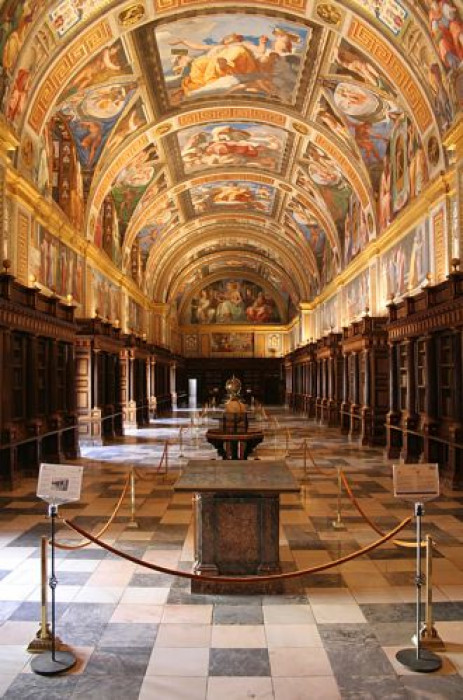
(419, 659)
(49, 663)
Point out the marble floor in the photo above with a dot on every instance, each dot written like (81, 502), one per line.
(141, 634)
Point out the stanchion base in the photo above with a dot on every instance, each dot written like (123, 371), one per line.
(46, 665)
(133, 525)
(41, 644)
(337, 525)
(430, 641)
(426, 662)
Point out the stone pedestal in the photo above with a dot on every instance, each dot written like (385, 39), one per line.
(237, 513)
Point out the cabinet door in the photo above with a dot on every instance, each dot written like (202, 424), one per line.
(43, 389)
(446, 376)
(403, 376)
(19, 378)
(420, 375)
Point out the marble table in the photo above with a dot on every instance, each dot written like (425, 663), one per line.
(237, 516)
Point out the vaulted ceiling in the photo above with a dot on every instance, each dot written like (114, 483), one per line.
(270, 141)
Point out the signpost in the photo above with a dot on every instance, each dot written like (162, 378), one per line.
(58, 484)
(417, 483)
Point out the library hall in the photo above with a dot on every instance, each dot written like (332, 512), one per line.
(231, 349)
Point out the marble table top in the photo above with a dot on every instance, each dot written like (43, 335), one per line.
(238, 476)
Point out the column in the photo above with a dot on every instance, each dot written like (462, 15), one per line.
(366, 410)
(131, 411)
(88, 418)
(345, 405)
(173, 384)
(354, 428)
(152, 393)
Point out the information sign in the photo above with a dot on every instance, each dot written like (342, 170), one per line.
(416, 482)
(59, 483)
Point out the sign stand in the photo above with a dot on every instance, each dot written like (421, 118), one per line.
(417, 483)
(419, 659)
(58, 484)
(51, 662)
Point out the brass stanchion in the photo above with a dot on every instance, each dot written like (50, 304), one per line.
(180, 443)
(166, 458)
(54, 661)
(419, 659)
(132, 523)
(338, 524)
(43, 641)
(428, 634)
(287, 443)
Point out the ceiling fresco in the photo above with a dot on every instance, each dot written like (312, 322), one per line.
(215, 56)
(266, 143)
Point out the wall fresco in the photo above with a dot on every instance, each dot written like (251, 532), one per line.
(106, 297)
(55, 266)
(357, 297)
(405, 266)
(233, 301)
(226, 343)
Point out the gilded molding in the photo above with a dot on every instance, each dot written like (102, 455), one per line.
(162, 6)
(453, 139)
(8, 139)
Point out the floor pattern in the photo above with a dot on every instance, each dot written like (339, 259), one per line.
(141, 634)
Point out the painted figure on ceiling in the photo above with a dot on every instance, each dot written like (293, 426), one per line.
(385, 204)
(92, 115)
(232, 194)
(447, 32)
(16, 21)
(442, 105)
(18, 95)
(202, 57)
(254, 145)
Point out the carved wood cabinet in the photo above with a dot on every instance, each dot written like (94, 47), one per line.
(425, 420)
(329, 379)
(365, 386)
(37, 402)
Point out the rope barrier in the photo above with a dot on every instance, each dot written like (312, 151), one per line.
(240, 579)
(342, 476)
(157, 470)
(70, 547)
(398, 543)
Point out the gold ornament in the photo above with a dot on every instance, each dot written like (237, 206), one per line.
(131, 15)
(329, 14)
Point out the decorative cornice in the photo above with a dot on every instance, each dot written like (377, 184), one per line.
(8, 139)
(453, 139)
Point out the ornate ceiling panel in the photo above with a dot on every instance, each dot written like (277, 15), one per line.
(267, 142)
